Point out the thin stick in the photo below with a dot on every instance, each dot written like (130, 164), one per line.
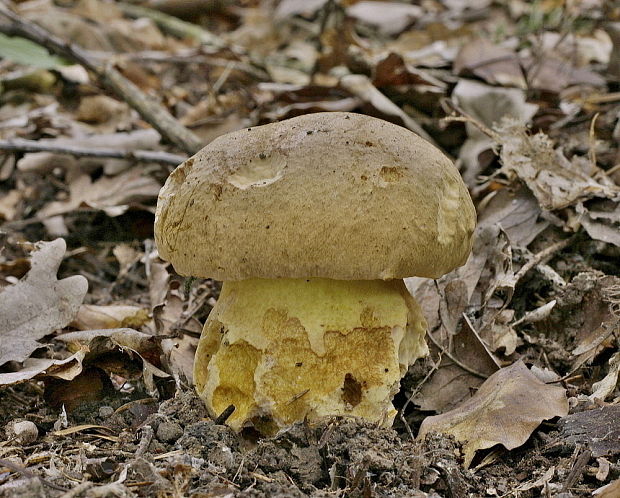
(418, 388)
(172, 25)
(455, 360)
(541, 256)
(195, 57)
(159, 157)
(592, 140)
(151, 110)
(182, 29)
(225, 415)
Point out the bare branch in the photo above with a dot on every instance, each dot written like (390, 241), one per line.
(160, 157)
(151, 110)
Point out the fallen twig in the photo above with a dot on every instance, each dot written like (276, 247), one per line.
(401, 412)
(160, 157)
(151, 110)
(196, 56)
(468, 118)
(182, 29)
(541, 256)
(173, 25)
(459, 363)
(225, 415)
(361, 86)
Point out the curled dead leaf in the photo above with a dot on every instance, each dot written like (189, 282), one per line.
(505, 410)
(152, 352)
(90, 317)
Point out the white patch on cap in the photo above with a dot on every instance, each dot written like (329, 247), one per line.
(263, 171)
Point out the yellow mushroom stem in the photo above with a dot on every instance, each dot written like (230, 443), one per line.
(285, 350)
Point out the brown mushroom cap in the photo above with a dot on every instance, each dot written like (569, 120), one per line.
(333, 195)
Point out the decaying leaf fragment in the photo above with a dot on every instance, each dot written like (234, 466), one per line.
(102, 344)
(91, 316)
(601, 220)
(555, 181)
(38, 304)
(505, 410)
(485, 283)
(167, 306)
(112, 194)
(489, 105)
(65, 369)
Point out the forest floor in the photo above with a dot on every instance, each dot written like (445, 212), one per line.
(100, 100)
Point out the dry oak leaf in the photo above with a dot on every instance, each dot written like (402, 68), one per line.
(38, 304)
(505, 410)
(555, 181)
(66, 369)
(151, 350)
(112, 194)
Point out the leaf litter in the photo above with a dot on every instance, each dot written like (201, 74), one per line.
(522, 94)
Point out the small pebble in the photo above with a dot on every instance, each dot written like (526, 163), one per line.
(106, 411)
(25, 431)
(169, 432)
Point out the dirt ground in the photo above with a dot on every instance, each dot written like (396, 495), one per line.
(141, 447)
(98, 334)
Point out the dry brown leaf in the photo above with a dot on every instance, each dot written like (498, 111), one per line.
(394, 70)
(581, 49)
(92, 384)
(434, 45)
(488, 105)
(257, 32)
(451, 383)
(168, 307)
(553, 179)
(517, 211)
(97, 11)
(472, 288)
(505, 410)
(42, 162)
(105, 112)
(38, 304)
(601, 220)
(362, 87)
(126, 256)
(152, 351)
(289, 8)
(72, 27)
(66, 369)
(389, 17)
(91, 316)
(494, 64)
(500, 336)
(552, 74)
(606, 386)
(135, 35)
(112, 194)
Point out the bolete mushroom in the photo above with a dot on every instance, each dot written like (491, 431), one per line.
(312, 223)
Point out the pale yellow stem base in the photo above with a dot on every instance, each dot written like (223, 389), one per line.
(286, 350)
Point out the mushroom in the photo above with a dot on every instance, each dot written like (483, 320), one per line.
(312, 223)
